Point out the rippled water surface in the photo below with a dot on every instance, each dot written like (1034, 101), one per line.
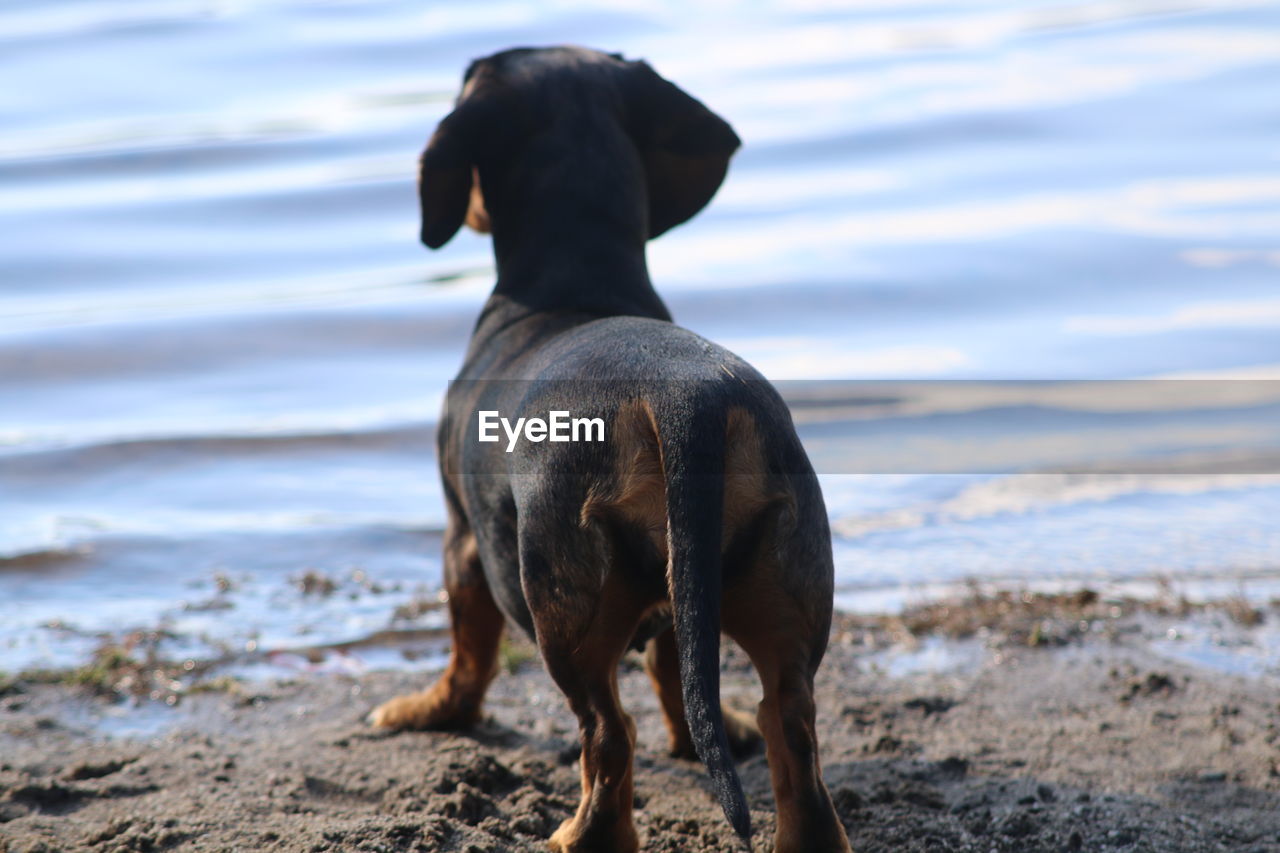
(222, 348)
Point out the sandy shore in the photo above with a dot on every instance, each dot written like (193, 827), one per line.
(1040, 738)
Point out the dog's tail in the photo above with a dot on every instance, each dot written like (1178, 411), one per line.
(693, 456)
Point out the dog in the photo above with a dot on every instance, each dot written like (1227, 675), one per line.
(698, 513)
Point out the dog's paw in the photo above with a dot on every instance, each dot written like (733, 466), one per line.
(427, 710)
(575, 837)
(556, 843)
(740, 727)
(388, 715)
(744, 735)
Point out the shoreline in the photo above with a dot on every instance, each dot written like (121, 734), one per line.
(1060, 726)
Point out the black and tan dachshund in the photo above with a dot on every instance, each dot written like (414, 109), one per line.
(697, 513)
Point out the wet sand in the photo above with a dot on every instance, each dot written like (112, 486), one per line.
(1073, 735)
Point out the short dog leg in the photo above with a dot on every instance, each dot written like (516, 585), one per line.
(806, 817)
(662, 663)
(454, 701)
(582, 655)
(786, 642)
(603, 820)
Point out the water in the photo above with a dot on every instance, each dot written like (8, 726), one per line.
(222, 349)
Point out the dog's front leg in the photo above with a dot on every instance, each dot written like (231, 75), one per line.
(662, 663)
(476, 624)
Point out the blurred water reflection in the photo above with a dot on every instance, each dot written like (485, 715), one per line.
(221, 348)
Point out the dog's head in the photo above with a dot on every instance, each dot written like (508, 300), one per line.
(529, 114)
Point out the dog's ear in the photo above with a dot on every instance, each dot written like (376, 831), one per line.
(445, 174)
(685, 147)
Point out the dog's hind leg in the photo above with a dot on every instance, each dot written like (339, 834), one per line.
(583, 629)
(783, 623)
(454, 701)
(662, 663)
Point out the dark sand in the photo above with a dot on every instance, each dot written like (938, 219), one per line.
(1048, 741)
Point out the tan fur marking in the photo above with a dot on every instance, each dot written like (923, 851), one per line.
(746, 482)
(477, 215)
(638, 493)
